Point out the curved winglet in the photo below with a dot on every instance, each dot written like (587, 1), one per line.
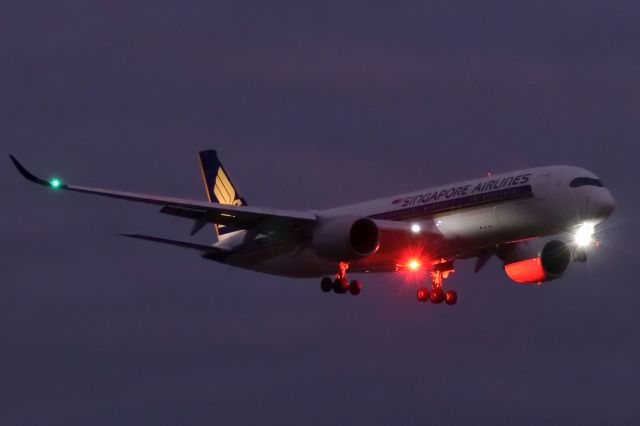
(30, 176)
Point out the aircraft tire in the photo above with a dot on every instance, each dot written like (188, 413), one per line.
(326, 284)
(451, 297)
(422, 294)
(340, 286)
(437, 296)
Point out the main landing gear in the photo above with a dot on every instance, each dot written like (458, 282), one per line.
(341, 284)
(437, 294)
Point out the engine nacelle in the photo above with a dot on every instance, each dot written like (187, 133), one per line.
(537, 261)
(344, 239)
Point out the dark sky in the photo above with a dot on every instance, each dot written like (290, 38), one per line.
(310, 106)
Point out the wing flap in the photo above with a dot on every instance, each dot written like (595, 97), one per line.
(207, 216)
(183, 244)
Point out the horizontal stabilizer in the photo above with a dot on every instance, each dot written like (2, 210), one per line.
(208, 250)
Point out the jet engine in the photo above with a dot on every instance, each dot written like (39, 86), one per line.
(536, 261)
(345, 239)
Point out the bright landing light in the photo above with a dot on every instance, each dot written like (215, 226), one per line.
(415, 228)
(414, 264)
(584, 234)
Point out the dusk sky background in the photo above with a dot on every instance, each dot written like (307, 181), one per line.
(310, 105)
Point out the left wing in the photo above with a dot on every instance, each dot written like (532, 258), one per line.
(392, 232)
(203, 212)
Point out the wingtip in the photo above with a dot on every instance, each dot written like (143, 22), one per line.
(15, 161)
(27, 174)
(121, 234)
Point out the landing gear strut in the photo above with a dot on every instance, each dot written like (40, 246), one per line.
(437, 294)
(580, 255)
(341, 284)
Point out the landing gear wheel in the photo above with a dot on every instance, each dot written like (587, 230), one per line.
(451, 297)
(340, 286)
(326, 284)
(437, 295)
(354, 287)
(423, 294)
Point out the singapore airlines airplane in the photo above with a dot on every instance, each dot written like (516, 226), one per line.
(536, 221)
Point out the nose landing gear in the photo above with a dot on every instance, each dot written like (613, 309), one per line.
(580, 255)
(437, 294)
(341, 284)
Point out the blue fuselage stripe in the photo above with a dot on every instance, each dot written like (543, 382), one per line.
(445, 206)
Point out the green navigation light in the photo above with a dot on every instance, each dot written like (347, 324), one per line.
(55, 183)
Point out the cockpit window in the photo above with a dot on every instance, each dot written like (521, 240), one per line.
(585, 181)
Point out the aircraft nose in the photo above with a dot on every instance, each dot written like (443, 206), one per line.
(605, 204)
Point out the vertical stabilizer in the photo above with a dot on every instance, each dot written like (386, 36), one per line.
(218, 186)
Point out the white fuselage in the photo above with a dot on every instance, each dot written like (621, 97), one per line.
(470, 216)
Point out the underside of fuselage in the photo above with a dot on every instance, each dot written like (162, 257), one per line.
(476, 230)
(471, 225)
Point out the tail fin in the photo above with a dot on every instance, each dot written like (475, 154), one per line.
(218, 185)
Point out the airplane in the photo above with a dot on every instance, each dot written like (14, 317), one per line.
(536, 221)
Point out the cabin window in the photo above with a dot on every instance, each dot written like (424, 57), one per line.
(585, 181)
